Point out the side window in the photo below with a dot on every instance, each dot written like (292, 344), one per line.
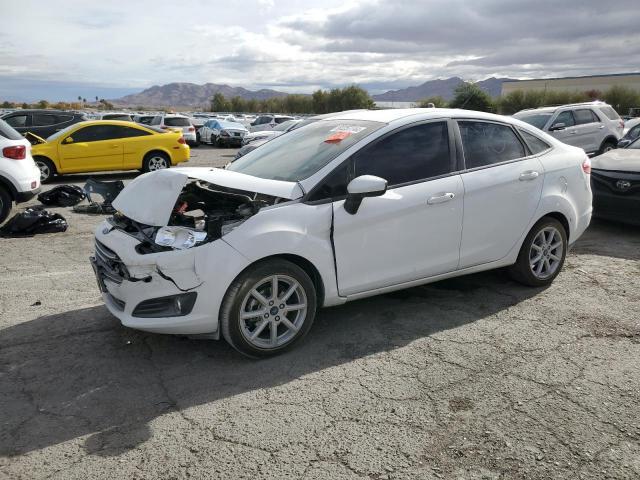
(93, 133)
(17, 120)
(264, 120)
(64, 118)
(634, 132)
(534, 143)
(281, 120)
(126, 132)
(43, 119)
(335, 185)
(583, 117)
(566, 118)
(415, 153)
(156, 120)
(488, 143)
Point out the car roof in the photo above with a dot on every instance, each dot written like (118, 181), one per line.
(553, 108)
(396, 114)
(122, 123)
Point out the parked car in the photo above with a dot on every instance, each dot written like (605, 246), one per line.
(631, 132)
(124, 117)
(269, 134)
(593, 126)
(615, 180)
(198, 123)
(344, 208)
(222, 133)
(42, 122)
(268, 122)
(104, 145)
(179, 123)
(19, 176)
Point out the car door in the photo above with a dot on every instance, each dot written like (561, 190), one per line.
(413, 230)
(590, 130)
(502, 186)
(134, 145)
(91, 148)
(44, 124)
(568, 133)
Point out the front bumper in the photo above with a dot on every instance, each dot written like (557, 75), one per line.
(234, 141)
(207, 270)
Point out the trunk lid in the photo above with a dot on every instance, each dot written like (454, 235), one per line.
(149, 199)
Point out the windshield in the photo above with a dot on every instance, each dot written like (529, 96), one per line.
(303, 151)
(283, 126)
(60, 133)
(115, 116)
(538, 120)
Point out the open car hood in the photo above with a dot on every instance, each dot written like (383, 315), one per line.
(149, 199)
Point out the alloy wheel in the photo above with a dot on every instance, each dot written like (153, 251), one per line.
(45, 171)
(545, 254)
(157, 163)
(273, 311)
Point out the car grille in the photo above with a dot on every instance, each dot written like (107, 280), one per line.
(619, 183)
(109, 264)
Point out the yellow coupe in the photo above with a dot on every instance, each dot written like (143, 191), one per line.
(103, 145)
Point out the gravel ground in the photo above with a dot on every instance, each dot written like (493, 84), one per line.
(470, 378)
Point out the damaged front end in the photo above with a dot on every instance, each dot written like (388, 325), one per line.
(160, 256)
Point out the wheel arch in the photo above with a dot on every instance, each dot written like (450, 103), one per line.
(9, 187)
(156, 149)
(561, 218)
(609, 139)
(56, 168)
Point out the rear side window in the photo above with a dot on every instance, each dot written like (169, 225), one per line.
(534, 143)
(124, 118)
(156, 120)
(8, 132)
(610, 113)
(177, 122)
(415, 153)
(584, 116)
(488, 143)
(633, 133)
(64, 118)
(43, 119)
(282, 120)
(566, 118)
(126, 132)
(17, 120)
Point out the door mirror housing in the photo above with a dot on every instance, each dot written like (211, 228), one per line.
(557, 126)
(361, 187)
(68, 140)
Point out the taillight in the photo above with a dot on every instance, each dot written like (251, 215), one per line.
(586, 166)
(182, 140)
(18, 152)
(621, 124)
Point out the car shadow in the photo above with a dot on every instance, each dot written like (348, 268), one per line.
(81, 374)
(83, 177)
(611, 239)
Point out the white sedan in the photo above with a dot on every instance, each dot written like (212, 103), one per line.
(344, 208)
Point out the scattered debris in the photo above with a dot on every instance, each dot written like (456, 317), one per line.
(107, 190)
(62, 196)
(32, 221)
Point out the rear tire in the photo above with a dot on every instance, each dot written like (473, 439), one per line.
(542, 254)
(607, 146)
(259, 322)
(155, 161)
(6, 202)
(47, 169)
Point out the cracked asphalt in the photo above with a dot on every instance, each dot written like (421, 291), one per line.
(470, 378)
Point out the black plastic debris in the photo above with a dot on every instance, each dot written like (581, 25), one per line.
(107, 190)
(32, 221)
(62, 196)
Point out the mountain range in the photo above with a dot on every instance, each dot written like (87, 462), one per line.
(193, 95)
(443, 88)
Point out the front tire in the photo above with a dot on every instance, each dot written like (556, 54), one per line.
(542, 254)
(6, 202)
(155, 161)
(607, 146)
(47, 169)
(269, 308)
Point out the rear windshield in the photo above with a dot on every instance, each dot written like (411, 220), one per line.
(126, 118)
(7, 131)
(538, 120)
(303, 151)
(610, 113)
(177, 122)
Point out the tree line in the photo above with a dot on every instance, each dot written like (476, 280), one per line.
(321, 101)
(471, 97)
(102, 104)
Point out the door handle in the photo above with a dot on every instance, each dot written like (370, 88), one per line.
(601, 127)
(114, 146)
(445, 197)
(529, 175)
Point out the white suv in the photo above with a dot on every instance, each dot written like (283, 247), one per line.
(593, 126)
(177, 122)
(344, 208)
(19, 176)
(268, 122)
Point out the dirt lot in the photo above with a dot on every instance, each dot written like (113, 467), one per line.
(471, 378)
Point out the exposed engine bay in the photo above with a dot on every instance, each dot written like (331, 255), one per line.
(203, 213)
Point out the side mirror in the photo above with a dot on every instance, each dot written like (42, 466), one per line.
(557, 126)
(68, 140)
(361, 187)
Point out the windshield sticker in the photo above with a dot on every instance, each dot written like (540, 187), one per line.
(337, 137)
(348, 128)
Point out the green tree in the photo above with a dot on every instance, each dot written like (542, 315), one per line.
(622, 98)
(42, 104)
(6, 104)
(469, 96)
(25, 105)
(436, 100)
(219, 103)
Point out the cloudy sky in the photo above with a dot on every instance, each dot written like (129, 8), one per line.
(114, 47)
